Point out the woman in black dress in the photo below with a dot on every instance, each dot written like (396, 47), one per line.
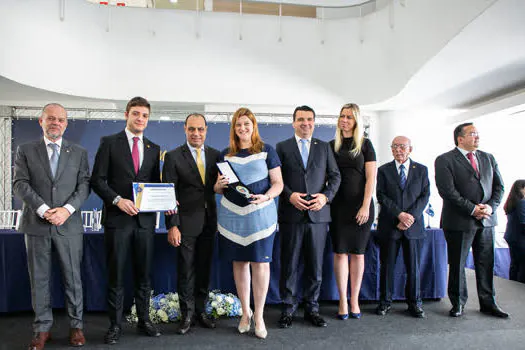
(352, 208)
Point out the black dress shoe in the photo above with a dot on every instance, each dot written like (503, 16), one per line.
(383, 309)
(416, 311)
(184, 326)
(285, 321)
(456, 311)
(148, 329)
(112, 335)
(315, 319)
(494, 310)
(206, 321)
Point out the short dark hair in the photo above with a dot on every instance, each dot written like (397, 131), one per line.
(196, 115)
(137, 101)
(458, 131)
(304, 109)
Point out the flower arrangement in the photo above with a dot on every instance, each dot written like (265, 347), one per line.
(223, 305)
(163, 308)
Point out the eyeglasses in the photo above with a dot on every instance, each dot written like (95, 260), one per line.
(400, 146)
(193, 129)
(473, 134)
(346, 116)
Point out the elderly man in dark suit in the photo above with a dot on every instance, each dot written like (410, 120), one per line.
(471, 186)
(52, 179)
(403, 190)
(122, 159)
(192, 167)
(311, 179)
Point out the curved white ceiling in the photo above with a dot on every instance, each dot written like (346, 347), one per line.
(183, 57)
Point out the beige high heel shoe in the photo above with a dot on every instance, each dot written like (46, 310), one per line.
(243, 329)
(260, 333)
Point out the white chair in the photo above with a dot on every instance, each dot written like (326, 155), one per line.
(87, 219)
(10, 219)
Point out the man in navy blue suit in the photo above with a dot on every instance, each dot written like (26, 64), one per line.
(311, 179)
(403, 190)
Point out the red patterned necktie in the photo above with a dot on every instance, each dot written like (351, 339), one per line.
(135, 154)
(470, 157)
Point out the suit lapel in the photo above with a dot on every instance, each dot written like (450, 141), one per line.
(392, 169)
(314, 144)
(297, 153)
(44, 158)
(126, 152)
(191, 162)
(464, 161)
(411, 173)
(63, 158)
(149, 154)
(209, 164)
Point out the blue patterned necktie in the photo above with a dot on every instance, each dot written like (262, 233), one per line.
(402, 176)
(304, 152)
(53, 161)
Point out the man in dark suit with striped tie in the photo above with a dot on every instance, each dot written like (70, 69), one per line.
(403, 190)
(471, 186)
(122, 159)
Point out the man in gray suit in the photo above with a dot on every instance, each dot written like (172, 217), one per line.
(52, 179)
(471, 186)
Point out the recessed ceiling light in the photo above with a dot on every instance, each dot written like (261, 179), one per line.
(173, 1)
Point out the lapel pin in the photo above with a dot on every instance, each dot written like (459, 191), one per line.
(413, 166)
(147, 146)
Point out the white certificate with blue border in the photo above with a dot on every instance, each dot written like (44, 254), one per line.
(149, 197)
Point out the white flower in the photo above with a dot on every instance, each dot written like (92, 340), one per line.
(229, 300)
(214, 304)
(220, 311)
(219, 298)
(211, 295)
(162, 315)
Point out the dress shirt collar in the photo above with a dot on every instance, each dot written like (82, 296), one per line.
(405, 164)
(131, 135)
(298, 139)
(194, 149)
(465, 152)
(59, 142)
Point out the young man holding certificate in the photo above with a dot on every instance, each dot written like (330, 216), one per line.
(192, 168)
(121, 160)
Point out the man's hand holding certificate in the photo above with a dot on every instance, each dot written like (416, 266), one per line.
(151, 197)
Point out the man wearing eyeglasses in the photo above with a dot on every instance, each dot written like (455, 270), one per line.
(403, 190)
(192, 167)
(471, 186)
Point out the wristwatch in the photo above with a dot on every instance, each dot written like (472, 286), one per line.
(116, 200)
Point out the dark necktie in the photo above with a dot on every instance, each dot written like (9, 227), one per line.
(135, 154)
(470, 157)
(402, 176)
(53, 161)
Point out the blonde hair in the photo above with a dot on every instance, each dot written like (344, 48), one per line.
(257, 143)
(358, 132)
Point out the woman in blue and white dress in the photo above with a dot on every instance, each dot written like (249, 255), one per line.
(247, 228)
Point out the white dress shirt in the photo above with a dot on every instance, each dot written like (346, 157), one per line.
(140, 145)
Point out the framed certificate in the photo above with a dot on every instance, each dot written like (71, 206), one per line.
(151, 197)
(235, 184)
